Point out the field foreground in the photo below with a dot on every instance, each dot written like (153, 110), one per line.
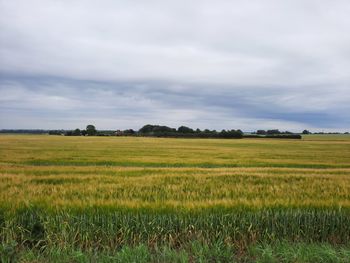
(152, 196)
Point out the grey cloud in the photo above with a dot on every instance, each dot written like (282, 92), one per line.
(239, 64)
(64, 102)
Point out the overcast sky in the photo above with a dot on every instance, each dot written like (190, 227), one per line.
(206, 64)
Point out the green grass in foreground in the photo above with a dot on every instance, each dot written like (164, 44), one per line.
(193, 252)
(109, 228)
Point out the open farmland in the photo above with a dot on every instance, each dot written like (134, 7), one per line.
(107, 193)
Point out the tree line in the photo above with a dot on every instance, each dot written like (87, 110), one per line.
(90, 131)
(154, 131)
(165, 131)
(186, 132)
(150, 130)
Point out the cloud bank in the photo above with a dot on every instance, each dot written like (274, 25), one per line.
(206, 64)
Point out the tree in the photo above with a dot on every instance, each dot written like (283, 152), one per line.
(261, 132)
(273, 132)
(305, 132)
(128, 132)
(91, 130)
(184, 129)
(56, 132)
(231, 134)
(146, 129)
(156, 129)
(76, 132)
(68, 133)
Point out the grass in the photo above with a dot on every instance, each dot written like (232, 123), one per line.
(194, 252)
(104, 198)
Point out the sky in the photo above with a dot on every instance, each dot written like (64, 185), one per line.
(205, 64)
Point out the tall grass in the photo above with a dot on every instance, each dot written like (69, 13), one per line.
(103, 228)
(281, 252)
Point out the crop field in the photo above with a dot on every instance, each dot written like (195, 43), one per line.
(119, 199)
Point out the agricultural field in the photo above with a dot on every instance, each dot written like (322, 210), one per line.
(134, 199)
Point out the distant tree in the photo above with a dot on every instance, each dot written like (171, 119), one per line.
(305, 132)
(146, 129)
(185, 132)
(76, 132)
(223, 134)
(83, 132)
(163, 129)
(261, 132)
(56, 132)
(231, 134)
(273, 132)
(91, 130)
(129, 132)
(184, 129)
(238, 133)
(68, 133)
(156, 129)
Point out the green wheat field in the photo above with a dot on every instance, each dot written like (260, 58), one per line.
(135, 199)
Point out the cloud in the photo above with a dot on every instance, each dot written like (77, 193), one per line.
(243, 64)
